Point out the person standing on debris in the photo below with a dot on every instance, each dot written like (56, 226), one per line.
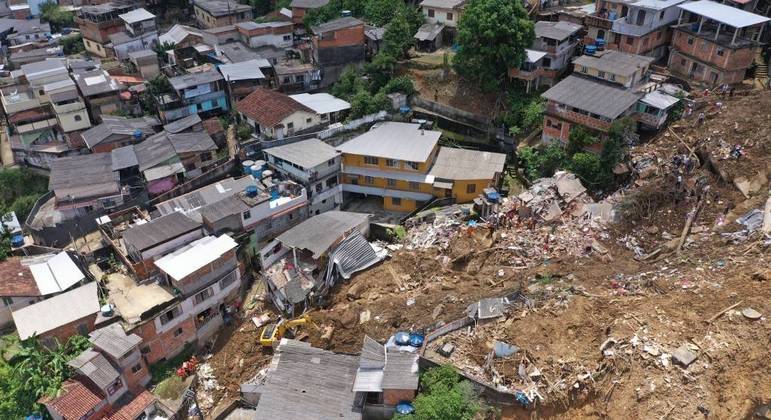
(702, 117)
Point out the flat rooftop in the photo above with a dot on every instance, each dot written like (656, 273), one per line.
(394, 140)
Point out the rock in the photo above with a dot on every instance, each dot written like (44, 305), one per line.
(762, 275)
(684, 356)
(652, 350)
(364, 316)
(437, 311)
(750, 313)
(652, 229)
(349, 319)
(354, 292)
(446, 349)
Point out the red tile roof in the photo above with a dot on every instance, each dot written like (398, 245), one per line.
(213, 126)
(77, 399)
(269, 107)
(133, 409)
(16, 279)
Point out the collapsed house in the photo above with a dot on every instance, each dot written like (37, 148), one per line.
(301, 264)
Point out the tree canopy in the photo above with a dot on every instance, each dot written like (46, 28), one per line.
(57, 17)
(492, 35)
(444, 396)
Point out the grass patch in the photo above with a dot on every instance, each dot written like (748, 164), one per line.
(397, 233)
(170, 388)
(168, 368)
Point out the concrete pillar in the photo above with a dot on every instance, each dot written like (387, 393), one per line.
(736, 32)
(680, 18)
(701, 22)
(717, 31)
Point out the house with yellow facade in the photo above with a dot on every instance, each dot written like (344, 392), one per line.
(405, 165)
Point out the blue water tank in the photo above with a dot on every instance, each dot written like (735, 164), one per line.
(247, 166)
(256, 171)
(274, 195)
(404, 407)
(17, 240)
(590, 49)
(262, 164)
(137, 134)
(251, 191)
(612, 15)
(416, 340)
(402, 338)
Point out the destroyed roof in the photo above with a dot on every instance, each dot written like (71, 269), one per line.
(556, 30)
(615, 62)
(124, 157)
(269, 107)
(95, 82)
(461, 164)
(193, 201)
(306, 154)
(372, 354)
(442, 4)
(381, 369)
(76, 400)
(83, 176)
(659, 100)
(244, 70)
(194, 79)
(113, 340)
(336, 25)
(182, 124)
(592, 96)
(112, 125)
(318, 233)
(137, 15)
(95, 367)
(394, 140)
(724, 13)
(178, 33)
(352, 255)
(321, 103)
(159, 230)
(197, 254)
(222, 7)
(67, 307)
(308, 4)
(374, 33)
(306, 383)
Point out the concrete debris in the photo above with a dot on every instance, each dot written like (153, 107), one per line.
(684, 356)
(752, 314)
(503, 350)
(446, 349)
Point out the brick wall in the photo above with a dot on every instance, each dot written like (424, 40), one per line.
(393, 396)
(709, 52)
(556, 128)
(342, 38)
(166, 344)
(682, 64)
(68, 330)
(136, 381)
(93, 31)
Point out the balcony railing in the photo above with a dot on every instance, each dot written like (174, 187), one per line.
(599, 21)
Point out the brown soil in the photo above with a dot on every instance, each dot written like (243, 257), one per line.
(581, 299)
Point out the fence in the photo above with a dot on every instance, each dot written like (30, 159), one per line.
(352, 125)
(459, 115)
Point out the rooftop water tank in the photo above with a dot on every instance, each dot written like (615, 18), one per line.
(17, 240)
(402, 338)
(346, 13)
(106, 310)
(274, 195)
(256, 171)
(590, 49)
(137, 134)
(247, 166)
(261, 163)
(251, 191)
(267, 173)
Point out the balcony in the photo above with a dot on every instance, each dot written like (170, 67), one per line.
(577, 117)
(600, 20)
(526, 74)
(624, 26)
(723, 36)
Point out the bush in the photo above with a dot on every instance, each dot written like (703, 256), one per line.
(444, 396)
(402, 84)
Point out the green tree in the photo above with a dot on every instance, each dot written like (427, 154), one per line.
(588, 168)
(398, 36)
(444, 396)
(380, 12)
(579, 139)
(401, 84)
(380, 70)
(492, 35)
(161, 48)
(57, 17)
(72, 44)
(349, 83)
(159, 85)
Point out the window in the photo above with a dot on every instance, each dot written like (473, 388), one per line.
(145, 350)
(331, 182)
(414, 185)
(118, 384)
(136, 368)
(308, 120)
(629, 40)
(78, 118)
(228, 280)
(396, 201)
(616, 38)
(413, 165)
(449, 16)
(8, 301)
(203, 295)
(370, 160)
(392, 163)
(391, 182)
(299, 78)
(682, 62)
(547, 62)
(287, 80)
(471, 188)
(83, 329)
(169, 315)
(331, 162)
(658, 35)
(369, 180)
(720, 52)
(290, 125)
(661, 15)
(583, 69)
(640, 17)
(287, 37)
(613, 77)
(601, 74)
(319, 186)
(41, 92)
(690, 40)
(430, 12)
(600, 34)
(178, 332)
(206, 157)
(246, 215)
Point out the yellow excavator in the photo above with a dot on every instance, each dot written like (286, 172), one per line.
(273, 333)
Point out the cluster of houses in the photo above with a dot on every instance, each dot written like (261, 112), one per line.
(192, 218)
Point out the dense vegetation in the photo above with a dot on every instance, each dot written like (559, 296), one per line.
(594, 169)
(492, 35)
(444, 396)
(58, 18)
(19, 189)
(35, 372)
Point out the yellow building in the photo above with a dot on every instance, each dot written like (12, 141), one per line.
(405, 165)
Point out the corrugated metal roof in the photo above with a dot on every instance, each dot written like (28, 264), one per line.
(67, 307)
(461, 164)
(182, 124)
(137, 15)
(82, 176)
(322, 103)
(113, 340)
(394, 140)
(401, 371)
(320, 232)
(592, 96)
(245, 70)
(615, 62)
(158, 231)
(187, 260)
(723, 13)
(659, 100)
(124, 157)
(223, 208)
(95, 367)
(556, 30)
(56, 274)
(307, 153)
